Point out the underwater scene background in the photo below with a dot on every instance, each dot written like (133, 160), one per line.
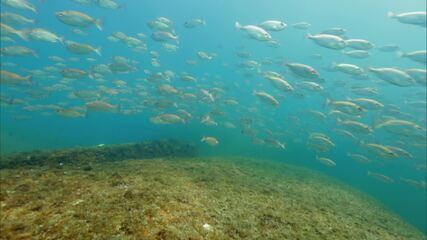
(216, 75)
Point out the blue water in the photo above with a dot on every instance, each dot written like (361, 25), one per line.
(44, 129)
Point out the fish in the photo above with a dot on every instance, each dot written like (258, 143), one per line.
(312, 86)
(102, 106)
(388, 48)
(74, 73)
(280, 83)
(301, 25)
(108, 4)
(359, 44)
(8, 31)
(359, 158)
(70, 113)
(17, 51)
(400, 127)
(81, 48)
(273, 25)
(345, 106)
(413, 18)
(78, 19)
(160, 25)
(367, 103)
(204, 55)
(358, 54)
(265, 97)
(194, 23)
(254, 32)
(15, 19)
(211, 141)
(10, 78)
(417, 56)
(380, 177)
(274, 143)
(167, 119)
(163, 36)
(350, 69)
(337, 31)
(393, 76)
(320, 142)
(20, 4)
(328, 41)
(379, 150)
(303, 70)
(355, 126)
(41, 34)
(419, 75)
(326, 161)
(421, 184)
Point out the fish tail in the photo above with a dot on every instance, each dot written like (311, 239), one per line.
(29, 79)
(98, 51)
(401, 54)
(237, 25)
(327, 102)
(61, 40)
(391, 14)
(33, 9)
(98, 24)
(23, 34)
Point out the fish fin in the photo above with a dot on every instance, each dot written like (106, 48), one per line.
(98, 24)
(401, 54)
(98, 51)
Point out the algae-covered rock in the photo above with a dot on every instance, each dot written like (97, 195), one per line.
(84, 156)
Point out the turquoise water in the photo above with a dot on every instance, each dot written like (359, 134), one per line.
(36, 124)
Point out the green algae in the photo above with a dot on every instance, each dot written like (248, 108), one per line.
(172, 198)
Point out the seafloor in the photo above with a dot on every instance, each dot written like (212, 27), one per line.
(176, 197)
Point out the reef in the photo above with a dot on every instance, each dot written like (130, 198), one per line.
(187, 198)
(102, 153)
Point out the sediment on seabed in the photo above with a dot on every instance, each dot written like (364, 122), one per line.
(162, 190)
